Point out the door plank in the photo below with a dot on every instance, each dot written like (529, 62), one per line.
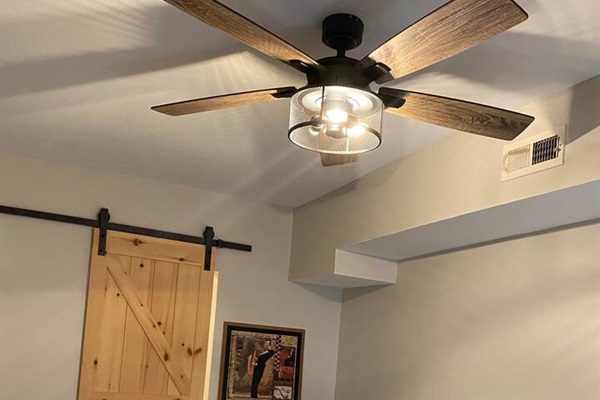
(133, 365)
(133, 396)
(163, 308)
(150, 326)
(112, 329)
(184, 328)
(155, 248)
(207, 303)
(97, 278)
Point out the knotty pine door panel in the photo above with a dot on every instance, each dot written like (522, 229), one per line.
(149, 321)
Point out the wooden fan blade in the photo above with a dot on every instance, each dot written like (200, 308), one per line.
(457, 114)
(449, 30)
(224, 101)
(329, 160)
(246, 31)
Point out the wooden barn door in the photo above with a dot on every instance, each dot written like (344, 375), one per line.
(149, 321)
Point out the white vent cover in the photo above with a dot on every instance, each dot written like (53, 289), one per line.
(533, 154)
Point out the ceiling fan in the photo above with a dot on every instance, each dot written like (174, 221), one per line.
(337, 113)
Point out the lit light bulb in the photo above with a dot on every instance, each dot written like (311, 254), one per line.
(335, 131)
(356, 130)
(336, 115)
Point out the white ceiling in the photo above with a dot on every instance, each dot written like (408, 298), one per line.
(78, 79)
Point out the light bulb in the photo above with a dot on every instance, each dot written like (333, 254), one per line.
(335, 131)
(356, 130)
(336, 115)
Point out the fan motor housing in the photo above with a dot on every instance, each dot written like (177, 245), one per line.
(341, 71)
(342, 32)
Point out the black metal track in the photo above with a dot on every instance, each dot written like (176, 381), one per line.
(207, 241)
(49, 216)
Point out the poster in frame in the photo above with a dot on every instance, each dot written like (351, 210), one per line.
(261, 362)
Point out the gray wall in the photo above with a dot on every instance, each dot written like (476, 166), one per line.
(514, 320)
(43, 272)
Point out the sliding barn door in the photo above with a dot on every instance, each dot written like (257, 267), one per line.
(149, 320)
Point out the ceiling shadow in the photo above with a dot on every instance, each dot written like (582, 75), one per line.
(74, 70)
(147, 39)
(140, 40)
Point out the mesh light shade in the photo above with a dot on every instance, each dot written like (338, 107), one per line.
(336, 120)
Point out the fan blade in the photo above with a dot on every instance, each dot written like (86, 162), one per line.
(246, 31)
(449, 30)
(457, 114)
(224, 101)
(329, 160)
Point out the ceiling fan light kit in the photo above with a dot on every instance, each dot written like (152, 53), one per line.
(336, 120)
(337, 114)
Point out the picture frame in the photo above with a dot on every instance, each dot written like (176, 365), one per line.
(261, 362)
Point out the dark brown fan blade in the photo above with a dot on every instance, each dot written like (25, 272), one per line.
(224, 101)
(449, 30)
(329, 160)
(246, 31)
(457, 114)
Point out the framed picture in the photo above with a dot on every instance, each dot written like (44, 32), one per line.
(261, 362)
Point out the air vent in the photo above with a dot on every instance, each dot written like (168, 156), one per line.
(545, 150)
(533, 154)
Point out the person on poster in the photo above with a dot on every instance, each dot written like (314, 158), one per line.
(259, 368)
